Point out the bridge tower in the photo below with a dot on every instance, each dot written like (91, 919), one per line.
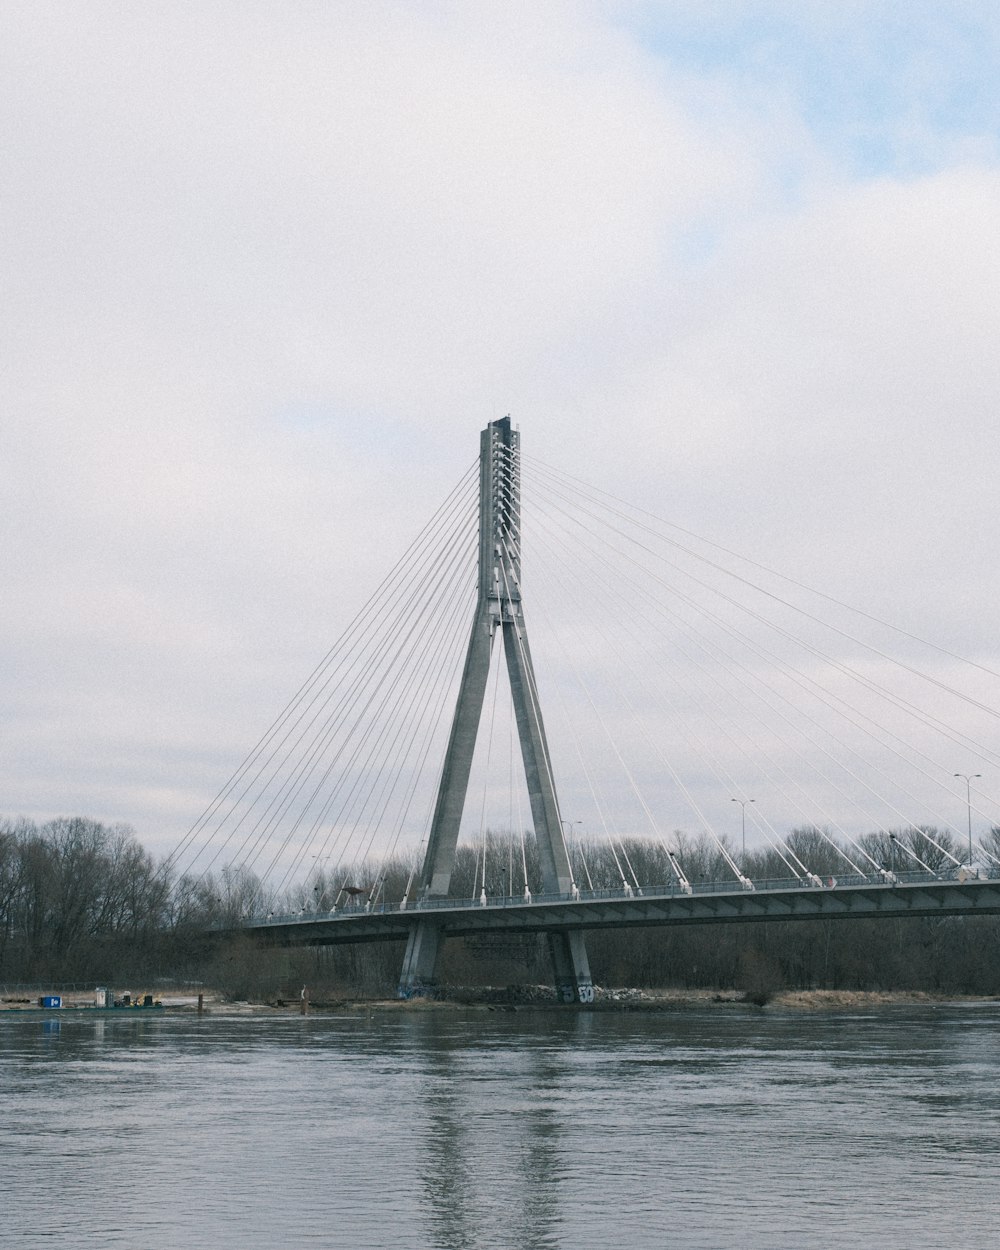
(499, 611)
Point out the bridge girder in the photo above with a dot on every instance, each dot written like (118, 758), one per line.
(901, 901)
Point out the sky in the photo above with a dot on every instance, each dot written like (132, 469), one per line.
(269, 268)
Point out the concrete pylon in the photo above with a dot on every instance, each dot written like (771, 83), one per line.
(499, 610)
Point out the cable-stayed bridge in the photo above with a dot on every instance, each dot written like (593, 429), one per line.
(410, 789)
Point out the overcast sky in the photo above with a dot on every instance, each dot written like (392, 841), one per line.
(269, 267)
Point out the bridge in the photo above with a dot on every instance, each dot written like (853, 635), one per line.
(906, 896)
(912, 871)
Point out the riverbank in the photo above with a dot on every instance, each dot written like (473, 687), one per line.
(87, 1000)
(852, 1000)
(515, 998)
(621, 1000)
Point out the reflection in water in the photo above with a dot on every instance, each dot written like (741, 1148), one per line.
(443, 1164)
(537, 1130)
(489, 1162)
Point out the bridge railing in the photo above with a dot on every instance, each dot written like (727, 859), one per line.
(666, 890)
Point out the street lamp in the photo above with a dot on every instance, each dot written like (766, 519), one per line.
(743, 830)
(569, 835)
(569, 849)
(967, 778)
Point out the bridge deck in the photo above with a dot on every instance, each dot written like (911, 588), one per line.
(916, 894)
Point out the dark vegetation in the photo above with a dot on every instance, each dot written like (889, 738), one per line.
(83, 902)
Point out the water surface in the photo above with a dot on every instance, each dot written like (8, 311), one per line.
(726, 1127)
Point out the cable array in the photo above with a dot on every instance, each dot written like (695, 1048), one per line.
(340, 775)
(708, 677)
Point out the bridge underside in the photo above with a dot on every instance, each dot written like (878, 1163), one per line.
(564, 916)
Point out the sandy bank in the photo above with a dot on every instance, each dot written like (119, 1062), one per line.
(624, 1000)
(526, 998)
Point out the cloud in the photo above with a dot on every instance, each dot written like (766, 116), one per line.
(270, 268)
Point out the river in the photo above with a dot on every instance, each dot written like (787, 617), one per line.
(724, 1127)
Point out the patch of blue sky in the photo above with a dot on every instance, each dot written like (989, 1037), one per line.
(884, 88)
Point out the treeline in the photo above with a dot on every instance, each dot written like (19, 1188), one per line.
(84, 901)
(81, 901)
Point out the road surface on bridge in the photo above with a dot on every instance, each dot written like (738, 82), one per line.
(857, 898)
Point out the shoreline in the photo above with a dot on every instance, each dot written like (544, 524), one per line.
(529, 998)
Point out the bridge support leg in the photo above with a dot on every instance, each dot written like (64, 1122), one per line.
(498, 608)
(420, 960)
(572, 967)
(569, 962)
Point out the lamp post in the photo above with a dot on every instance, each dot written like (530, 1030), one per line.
(743, 829)
(569, 843)
(967, 778)
(586, 870)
